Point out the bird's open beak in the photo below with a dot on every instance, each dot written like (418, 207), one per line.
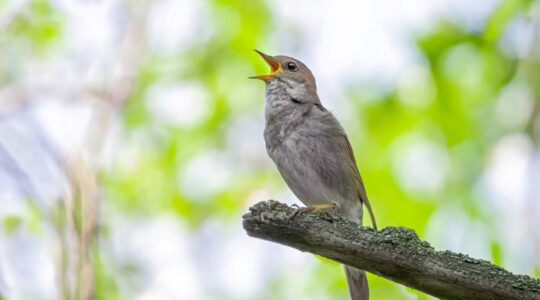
(275, 67)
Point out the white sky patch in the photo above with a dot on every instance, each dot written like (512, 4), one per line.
(161, 247)
(514, 106)
(155, 293)
(29, 159)
(205, 174)
(505, 187)
(450, 229)
(533, 205)
(507, 171)
(245, 264)
(65, 122)
(355, 40)
(90, 27)
(28, 267)
(173, 23)
(174, 103)
(239, 268)
(12, 205)
(246, 142)
(518, 37)
(420, 166)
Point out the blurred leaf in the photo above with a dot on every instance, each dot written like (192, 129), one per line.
(40, 26)
(11, 223)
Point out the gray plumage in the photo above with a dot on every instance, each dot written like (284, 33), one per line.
(311, 150)
(312, 153)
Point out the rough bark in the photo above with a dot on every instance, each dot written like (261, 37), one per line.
(395, 253)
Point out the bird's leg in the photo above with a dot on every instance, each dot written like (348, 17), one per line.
(315, 208)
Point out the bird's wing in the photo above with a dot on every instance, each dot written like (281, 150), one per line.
(362, 195)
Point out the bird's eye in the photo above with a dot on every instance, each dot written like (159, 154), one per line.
(292, 66)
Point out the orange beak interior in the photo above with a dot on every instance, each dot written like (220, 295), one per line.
(275, 67)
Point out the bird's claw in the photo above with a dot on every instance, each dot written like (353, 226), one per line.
(329, 217)
(314, 208)
(300, 210)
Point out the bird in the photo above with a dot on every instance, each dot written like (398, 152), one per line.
(311, 150)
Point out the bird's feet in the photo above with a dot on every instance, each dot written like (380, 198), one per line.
(316, 208)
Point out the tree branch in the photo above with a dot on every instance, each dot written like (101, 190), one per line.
(394, 253)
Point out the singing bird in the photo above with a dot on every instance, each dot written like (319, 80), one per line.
(311, 150)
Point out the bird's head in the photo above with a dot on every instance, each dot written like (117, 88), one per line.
(293, 75)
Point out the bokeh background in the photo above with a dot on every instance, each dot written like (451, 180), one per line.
(131, 139)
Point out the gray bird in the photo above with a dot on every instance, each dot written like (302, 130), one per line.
(311, 150)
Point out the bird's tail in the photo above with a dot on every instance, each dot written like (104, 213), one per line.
(357, 282)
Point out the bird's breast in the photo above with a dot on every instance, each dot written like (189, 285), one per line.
(291, 156)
